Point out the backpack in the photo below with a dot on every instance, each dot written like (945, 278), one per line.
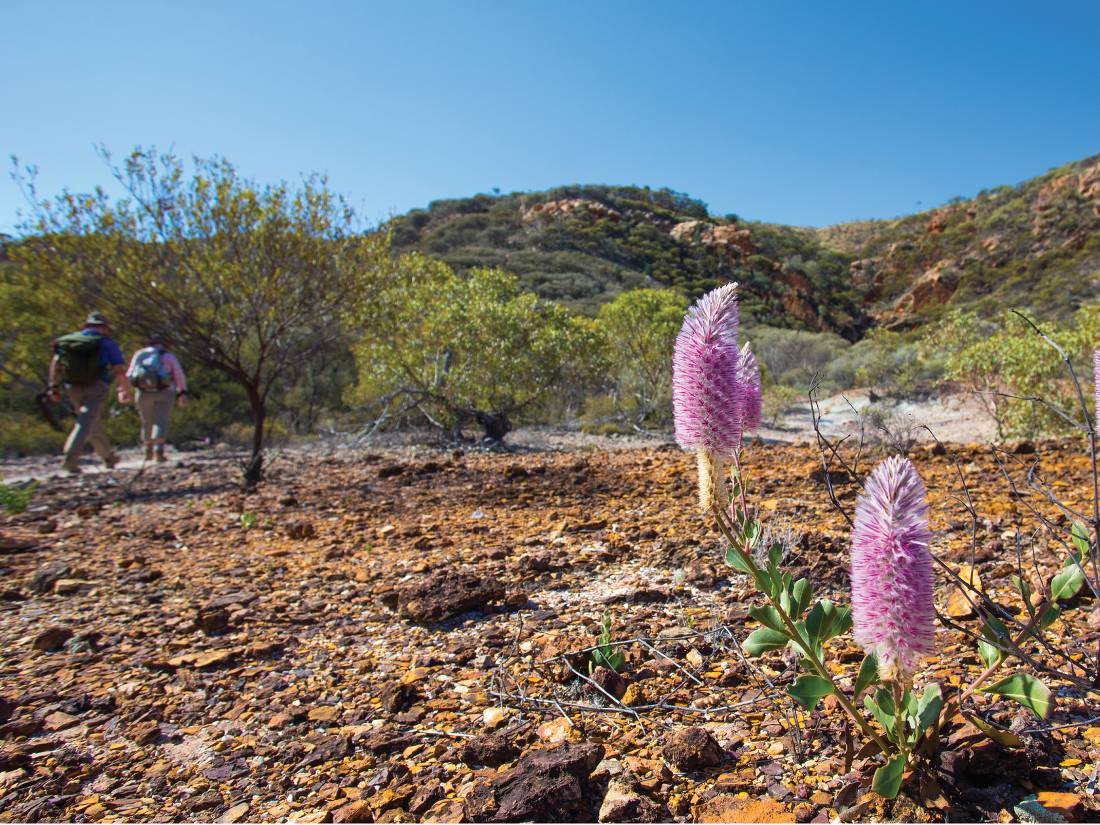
(78, 354)
(150, 372)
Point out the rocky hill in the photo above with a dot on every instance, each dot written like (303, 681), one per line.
(1034, 245)
(583, 245)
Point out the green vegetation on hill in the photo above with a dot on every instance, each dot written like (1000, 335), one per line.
(1035, 246)
(583, 245)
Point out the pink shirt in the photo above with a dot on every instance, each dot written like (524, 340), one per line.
(179, 381)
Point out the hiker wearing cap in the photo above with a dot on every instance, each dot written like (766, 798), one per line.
(160, 384)
(86, 362)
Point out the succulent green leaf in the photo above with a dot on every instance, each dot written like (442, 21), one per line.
(1067, 583)
(909, 702)
(802, 593)
(775, 555)
(809, 690)
(819, 619)
(842, 623)
(736, 559)
(1050, 615)
(995, 631)
(868, 674)
(1025, 592)
(928, 708)
(752, 532)
(1025, 689)
(1079, 535)
(883, 717)
(998, 735)
(887, 781)
(762, 640)
(769, 617)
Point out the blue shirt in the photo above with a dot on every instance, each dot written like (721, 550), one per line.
(110, 355)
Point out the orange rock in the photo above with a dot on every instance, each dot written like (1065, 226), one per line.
(730, 808)
(1069, 805)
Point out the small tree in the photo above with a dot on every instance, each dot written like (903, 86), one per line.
(453, 348)
(1019, 378)
(640, 327)
(250, 280)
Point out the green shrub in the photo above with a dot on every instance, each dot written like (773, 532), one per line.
(15, 498)
(22, 434)
(1019, 377)
(777, 399)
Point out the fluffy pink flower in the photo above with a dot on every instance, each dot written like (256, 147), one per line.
(708, 394)
(892, 581)
(750, 383)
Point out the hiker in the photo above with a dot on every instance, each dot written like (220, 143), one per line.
(158, 378)
(87, 362)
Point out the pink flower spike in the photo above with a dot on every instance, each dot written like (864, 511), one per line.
(750, 383)
(707, 389)
(892, 580)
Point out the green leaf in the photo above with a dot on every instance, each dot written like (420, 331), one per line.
(752, 532)
(909, 702)
(736, 559)
(819, 620)
(998, 735)
(1025, 592)
(842, 623)
(928, 708)
(882, 716)
(809, 690)
(765, 583)
(1025, 689)
(775, 555)
(868, 674)
(885, 700)
(1066, 584)
(802, 593)
(1050, 615)
(887, 781)
(769, 617)
(1079, 535)
(995, 631)
(798, 646)
(762, 640)
(826, 620)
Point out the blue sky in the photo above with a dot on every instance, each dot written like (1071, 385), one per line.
(802, 113)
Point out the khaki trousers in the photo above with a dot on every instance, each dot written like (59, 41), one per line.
(155, 408)
(89, 402)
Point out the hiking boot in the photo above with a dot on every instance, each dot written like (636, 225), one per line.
(160, 454)
(71, 469)
(111, 461)
(148, 452)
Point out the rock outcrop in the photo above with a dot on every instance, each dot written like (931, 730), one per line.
(556, 210)
(934, 287)
(727, 237)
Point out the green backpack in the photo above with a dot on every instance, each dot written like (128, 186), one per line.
(78, 354)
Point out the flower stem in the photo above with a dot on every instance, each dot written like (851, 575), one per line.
(899, 718)
(807, 648)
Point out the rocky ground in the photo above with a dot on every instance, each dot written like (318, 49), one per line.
(398, 635)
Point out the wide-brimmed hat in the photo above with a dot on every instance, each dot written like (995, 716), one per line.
(96, 319)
